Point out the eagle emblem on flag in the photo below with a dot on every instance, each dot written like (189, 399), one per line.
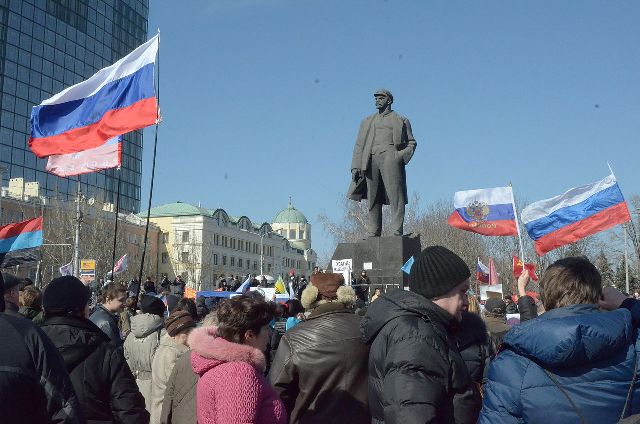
(477, 210)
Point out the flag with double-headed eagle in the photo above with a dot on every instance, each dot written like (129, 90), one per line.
(487, 211)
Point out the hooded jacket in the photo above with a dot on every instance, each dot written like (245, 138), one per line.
(590, 354)
(108, 323)
(34, 384)
(139, 349)
(101, 378)
(320, 368)
(163, 362)
(416, 374)
(232, 388)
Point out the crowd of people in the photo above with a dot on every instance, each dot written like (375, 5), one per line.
(335, 353)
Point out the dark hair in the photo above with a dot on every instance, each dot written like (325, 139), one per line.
(32, 297)
(130, 302)
(112, 291)
(188, 305)
(241, 314)
(570, 281)
(295, 307)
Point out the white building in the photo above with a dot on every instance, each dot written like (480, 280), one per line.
(201, 244)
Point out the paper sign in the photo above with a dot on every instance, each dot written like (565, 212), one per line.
(367, 265)
(487, 292)
(344, 267)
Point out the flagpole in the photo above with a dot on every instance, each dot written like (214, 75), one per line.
(76, 244)
(515, 211)
(153, 173)
(115, 230)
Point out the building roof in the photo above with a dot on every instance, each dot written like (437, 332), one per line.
(176, 209)
(290, 215)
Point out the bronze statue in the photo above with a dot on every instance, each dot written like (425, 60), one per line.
(385, 144)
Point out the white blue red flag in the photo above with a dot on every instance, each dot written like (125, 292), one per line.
(486, 211)
(66, 269)
(121, 265)
(482, 272)
(107, 156)
(114, 101)
(576, 214)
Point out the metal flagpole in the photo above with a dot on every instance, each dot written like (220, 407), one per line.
(626, 260)
(115, 230)
(515, 211)
(76, 245)
(153, 173)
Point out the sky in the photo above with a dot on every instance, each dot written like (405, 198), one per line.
(262, 99)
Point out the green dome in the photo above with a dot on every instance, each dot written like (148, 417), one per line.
(290, 215)
(175, 209)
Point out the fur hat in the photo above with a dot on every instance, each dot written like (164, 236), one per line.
(325, 288)
(178, 322)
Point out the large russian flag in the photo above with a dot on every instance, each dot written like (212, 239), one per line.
(20, 242)
(576, 214)
(115, 100)
(486, 211)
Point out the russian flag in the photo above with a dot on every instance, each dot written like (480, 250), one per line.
(20, 242)
(486, 211)
(482, 272)
(576, 214)
(107, 156)
(114, 101)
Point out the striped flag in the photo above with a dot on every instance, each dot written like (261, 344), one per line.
(107, 156)
(20, 242)
(114, 101)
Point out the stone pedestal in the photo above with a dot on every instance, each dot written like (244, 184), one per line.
(386, 255)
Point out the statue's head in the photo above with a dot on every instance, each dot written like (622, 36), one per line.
(383, 98)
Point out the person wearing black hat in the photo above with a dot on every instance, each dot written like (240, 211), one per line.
(100, 376)
(11, 294)
(140, 346)
(34, 384)
(416, 373)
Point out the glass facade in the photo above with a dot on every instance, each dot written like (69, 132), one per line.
(46, 46)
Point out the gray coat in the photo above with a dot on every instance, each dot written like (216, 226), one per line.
(179, 405)
(108, 323)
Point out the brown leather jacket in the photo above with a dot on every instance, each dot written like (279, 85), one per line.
(320, 368)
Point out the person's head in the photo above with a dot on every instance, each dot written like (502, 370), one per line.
(245, 319)
(187, 305)
(114, 297)
(495, 307)
(152, 305)
(636, 295)
(377, 291)
(570, 281)
(130, 303)
(295, 307)
(474, 305)
(66, 296)
(508, 300)
(32, 297)
(443, 277)
(149, 287)
(11, 288)
(383, 98)
(178, 325)
(279, 311)
(325, 288)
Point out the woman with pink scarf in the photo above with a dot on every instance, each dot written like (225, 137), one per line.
(230, 361)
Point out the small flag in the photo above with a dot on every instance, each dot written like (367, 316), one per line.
(107, 156)
(121, 265)
(244, 286)
(115, 100)
(482, 272)
(66, 269)
(406, 268)
(519, 265)
(493, 275)
(20, 242)
(279, 286)
(576, 214)
(486, 211)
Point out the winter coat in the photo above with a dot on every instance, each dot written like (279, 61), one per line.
(29, 312)
(473, 345)
(497, 328)
(527, 308)
(163, 362)
(590, 354)
(179, 404)
(34, 385)
(320, 368)
(124, 322)
(139, 349)
(108, 323)
(101, 378)
(416, 373)
(232, 388)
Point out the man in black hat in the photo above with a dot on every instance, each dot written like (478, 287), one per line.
(495, 317)
(11, 294)
(416, 373)
(385, 144)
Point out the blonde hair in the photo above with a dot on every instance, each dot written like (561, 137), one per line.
(474, 306)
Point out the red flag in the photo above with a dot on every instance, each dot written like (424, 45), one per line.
(518, 266)
(493, 275)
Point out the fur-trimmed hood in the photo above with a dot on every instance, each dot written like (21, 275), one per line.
(209, 351)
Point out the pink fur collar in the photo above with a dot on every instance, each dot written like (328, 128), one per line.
(205, 343)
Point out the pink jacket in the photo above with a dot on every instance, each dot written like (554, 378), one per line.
(232, 388)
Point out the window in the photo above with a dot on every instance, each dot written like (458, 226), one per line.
(165, 238)
(239, 262)
(240, 244)
(268, 267)
(301, 234)
(224, 260)
(292, 234)
(185, 256)
(165, 258)
(185, 236)
(215, 259)
(216, 239)
(255, 265)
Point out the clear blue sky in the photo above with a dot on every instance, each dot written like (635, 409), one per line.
(262, 99)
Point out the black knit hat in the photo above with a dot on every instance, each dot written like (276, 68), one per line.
(10, 281)
(64, 295)
(152, 305)
(436, 271)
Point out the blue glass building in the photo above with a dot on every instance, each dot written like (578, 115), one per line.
(46, 46)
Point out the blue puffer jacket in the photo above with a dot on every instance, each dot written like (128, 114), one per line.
(590, 353)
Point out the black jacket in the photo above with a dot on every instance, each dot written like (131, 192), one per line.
(108, 323)
(473, 345)
(101, 378)
(34, 384)
(320, 368)
(527, 308)
(416, 374)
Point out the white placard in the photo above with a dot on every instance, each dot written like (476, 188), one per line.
(496, 288)
(367, 265)
(344, 267)
(268, 292)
